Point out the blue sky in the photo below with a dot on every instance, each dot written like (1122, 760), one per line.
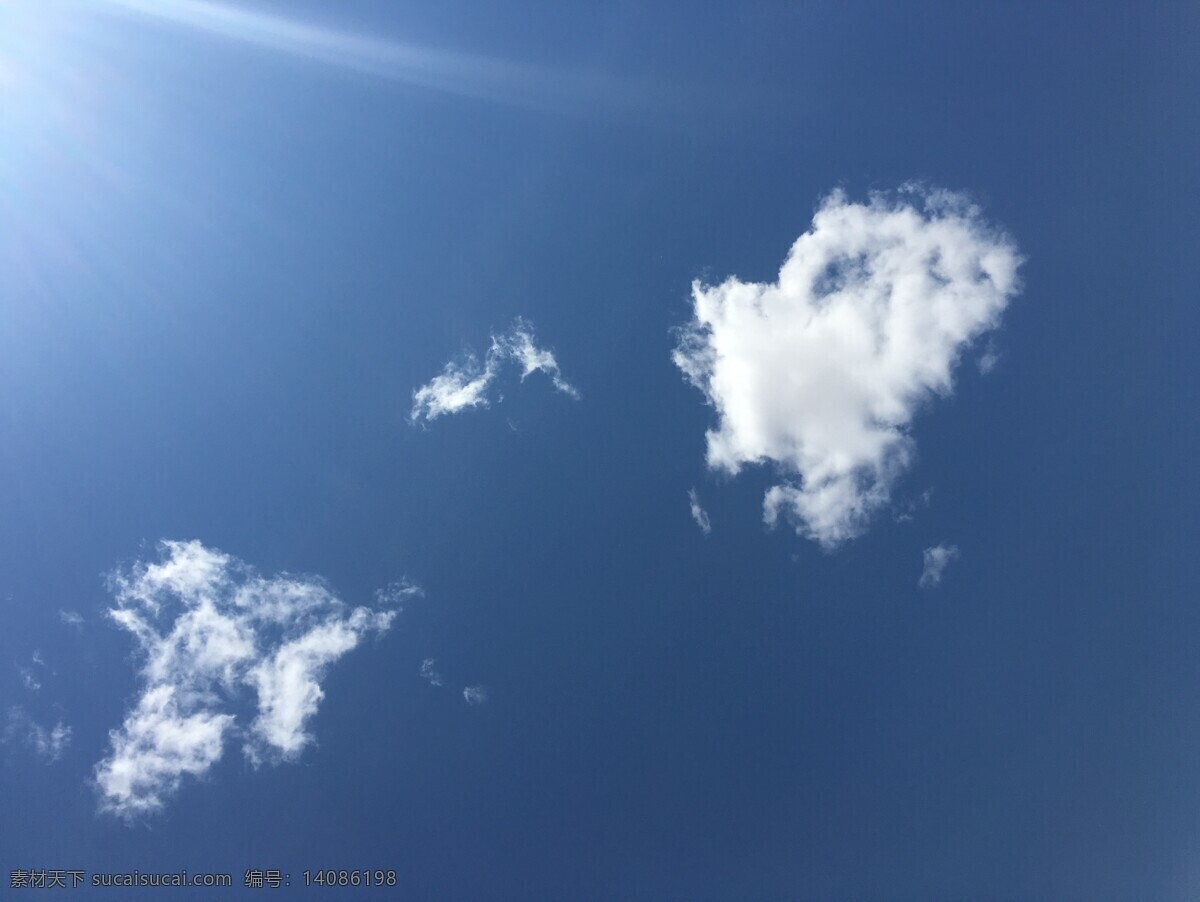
(439, 332)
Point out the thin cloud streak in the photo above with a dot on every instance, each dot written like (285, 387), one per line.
(699, 514)
(461, 74)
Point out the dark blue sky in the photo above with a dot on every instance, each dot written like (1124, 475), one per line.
(231, 248)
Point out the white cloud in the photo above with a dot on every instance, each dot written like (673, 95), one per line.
(47, 744)
(821, 372)
(475, 695)
(936, 560)
(71, 618)
(465, 384)
(429, 673)
(698, 512)
(209, 628)
(37, 658)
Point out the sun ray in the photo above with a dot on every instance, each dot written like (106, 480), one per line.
(462, 74)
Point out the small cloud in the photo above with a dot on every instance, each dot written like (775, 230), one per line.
(211, 632)
(47, 744)
(698, 512)
(822, 372)
(475, 695)
(429, 674)
(395, 593)
(71, 618)
(460, 386)
(37, 658)
(465, 384)
(936, 559)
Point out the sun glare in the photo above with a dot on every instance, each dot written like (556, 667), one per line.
(56, 148)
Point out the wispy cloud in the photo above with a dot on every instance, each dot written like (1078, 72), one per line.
(71, 618)
(907, 510)
(821, 372)
(698, 512)
(397, 592)
(462, 74)
(209, 627)
(47, 744)
(475, 695)
(465, 384)
(936, 560)
(28, 680)
(430, 674)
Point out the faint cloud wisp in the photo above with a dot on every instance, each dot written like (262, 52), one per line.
(475, 695)
(430, 674)
(47, 744)
(699, 514)
(28, 680)
(936, 560)
(395, 593)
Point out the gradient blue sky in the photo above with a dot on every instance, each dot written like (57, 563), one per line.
(235, 239)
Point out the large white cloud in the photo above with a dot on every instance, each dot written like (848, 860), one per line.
(821, 372)
(212, 632)
(465, 384)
